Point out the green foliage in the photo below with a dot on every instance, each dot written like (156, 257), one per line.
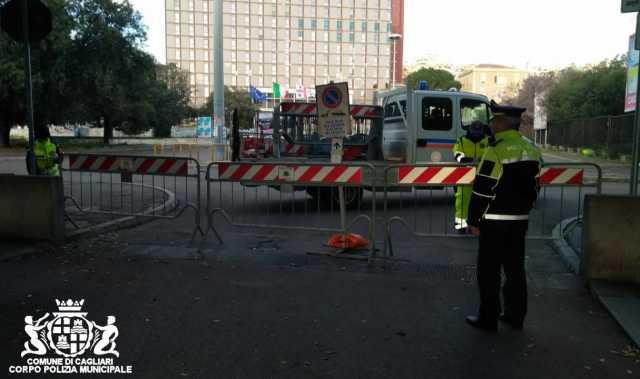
(91, 69)
(595, 91)
(436, 78)
(233, 98)
(532, 85)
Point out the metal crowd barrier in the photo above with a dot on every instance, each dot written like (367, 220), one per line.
(290, 196)
(422, 197)
(126, 185)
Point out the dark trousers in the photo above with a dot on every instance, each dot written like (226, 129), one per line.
(502, 246)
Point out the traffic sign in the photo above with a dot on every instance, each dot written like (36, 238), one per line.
(629, 6)
(334, 119)
(39, 20)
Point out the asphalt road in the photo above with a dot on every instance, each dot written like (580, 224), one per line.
(258, 306)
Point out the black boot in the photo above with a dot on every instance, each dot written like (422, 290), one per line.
(476, 322)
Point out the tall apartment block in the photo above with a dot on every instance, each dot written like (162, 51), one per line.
(296, 43)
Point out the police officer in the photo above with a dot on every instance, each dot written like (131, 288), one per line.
(468, 149)
(504, 192)
(48, 154)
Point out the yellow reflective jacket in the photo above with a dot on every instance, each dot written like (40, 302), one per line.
(46, 153)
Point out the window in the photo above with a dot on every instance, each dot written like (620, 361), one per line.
(351, 25)
(300, 34)
(363, 27)
(314, 24)
(301, 23)
(350, 37)
(339, 25)
(436, 113)
(388, 27)
(473, 110)
(392, 110)
(376, 27)
(339, 36)
(326, 24)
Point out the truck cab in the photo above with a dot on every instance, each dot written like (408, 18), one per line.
(422, 126)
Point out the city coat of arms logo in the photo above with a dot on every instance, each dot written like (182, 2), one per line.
(69, 333)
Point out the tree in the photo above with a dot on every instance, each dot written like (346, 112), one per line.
(170, 98)
(52, 97)
(112, 72)
(527, 91)
(595, 91)
(233, 98)
(437, 79)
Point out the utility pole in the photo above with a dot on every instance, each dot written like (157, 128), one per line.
(218, 71)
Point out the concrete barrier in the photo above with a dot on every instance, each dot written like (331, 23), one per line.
(611, 239)
(32, 208)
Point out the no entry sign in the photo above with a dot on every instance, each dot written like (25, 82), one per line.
(334, 120)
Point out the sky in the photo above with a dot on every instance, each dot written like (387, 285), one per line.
(524, 33)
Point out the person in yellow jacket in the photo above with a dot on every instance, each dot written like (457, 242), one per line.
(48, 155)
(468, 149)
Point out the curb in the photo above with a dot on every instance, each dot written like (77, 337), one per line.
(622, 304)
(126, 222)
(562, 247)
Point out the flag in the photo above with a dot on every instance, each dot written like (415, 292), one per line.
(256, 95)
(276, 90)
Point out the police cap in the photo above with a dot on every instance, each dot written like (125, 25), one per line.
(506, 110)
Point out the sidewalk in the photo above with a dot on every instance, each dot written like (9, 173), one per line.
(260, 307)
(621, 300)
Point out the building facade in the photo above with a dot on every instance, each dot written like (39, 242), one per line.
(296, 43)
(494, 81)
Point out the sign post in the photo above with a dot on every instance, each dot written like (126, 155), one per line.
(334, 121)
(629, 6)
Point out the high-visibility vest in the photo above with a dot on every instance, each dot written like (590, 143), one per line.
(46, 158)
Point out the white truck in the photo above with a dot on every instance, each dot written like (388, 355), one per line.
(405, 127)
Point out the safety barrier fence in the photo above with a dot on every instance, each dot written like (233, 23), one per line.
(422, 198)
(141, 186)
(301, 196)
(289, 196)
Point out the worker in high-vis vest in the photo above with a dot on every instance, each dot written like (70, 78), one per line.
(504, 192)
(48, 155)
(468, 149)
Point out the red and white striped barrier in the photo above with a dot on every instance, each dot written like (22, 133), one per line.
(561, 176)
(135, 165)
(465, 175)
(328, 174)
(309, 110)
(436, 175)
(247, 172)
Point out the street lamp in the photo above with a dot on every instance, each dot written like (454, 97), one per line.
(394, 37)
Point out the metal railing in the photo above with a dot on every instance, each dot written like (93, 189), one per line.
(127, 185)
(422, 197)
(289, 196)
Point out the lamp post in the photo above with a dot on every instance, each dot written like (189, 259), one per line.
(218, 73)
(394, 37)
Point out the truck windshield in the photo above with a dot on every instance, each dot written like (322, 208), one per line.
(473, 110)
